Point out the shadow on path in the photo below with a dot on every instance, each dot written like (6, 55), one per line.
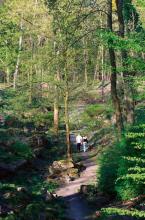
(78, 208)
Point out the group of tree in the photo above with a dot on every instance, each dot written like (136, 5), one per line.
(50, 48)
(53, 50)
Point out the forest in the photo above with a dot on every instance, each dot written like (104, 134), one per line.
(72, 109)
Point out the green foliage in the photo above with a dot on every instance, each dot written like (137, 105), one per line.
(42, 119)
(108, 166)
(116, 211)
(22, 150)
(131, 16)
(26, 194)
(131, 174)
(94, 115)
(122, 166)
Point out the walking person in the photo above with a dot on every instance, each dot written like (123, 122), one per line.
(85, 143)
(79, 141)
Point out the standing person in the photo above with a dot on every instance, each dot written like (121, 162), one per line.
(79, 141)
(85, 143)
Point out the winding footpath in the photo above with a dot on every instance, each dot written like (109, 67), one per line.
(78, 209)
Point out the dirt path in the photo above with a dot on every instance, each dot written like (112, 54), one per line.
(78, 208)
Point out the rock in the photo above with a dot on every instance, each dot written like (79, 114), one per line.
(7, 195)
(53, 172)
(21, 189)
(64, 179)
(84, 189)
(64, 171)
(48, 196)
(73, 173)
(89, 189)
(66, 176)
(80, 166)
(63, 164)
(60, 166)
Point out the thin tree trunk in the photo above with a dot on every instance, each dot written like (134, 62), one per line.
(66, 97)
(56, 107)
(102, 60)
(66, 103)
(18, 58)
(56, 117)
(96, 66)
(128, 92)
(30, 84)
(114, 94)
(7, 68)
(56, 98)
(85, 62)
(8, 76)
(103, 78)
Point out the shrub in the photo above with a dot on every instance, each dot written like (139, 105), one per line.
(131, 173)
(108, 166)
(22, 150)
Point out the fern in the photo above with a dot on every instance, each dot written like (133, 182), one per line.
(123, 212)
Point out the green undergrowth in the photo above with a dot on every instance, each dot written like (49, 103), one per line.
(122, 167)
(25, 193)
(138, 215)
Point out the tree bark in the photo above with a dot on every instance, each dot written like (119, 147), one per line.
(56, 117)
(56, 107)
(66, 97)
(85, 61)
(113, 78)
(56, 98)
(103, 78)
(128, 90)
(18, 58)
(66, 105)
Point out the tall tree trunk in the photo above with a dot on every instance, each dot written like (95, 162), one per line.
(66, 97)
(113, 78)
(102, 60)
(56, 116)
(18, 57)
(56, 107)
(7, 67)
(56, 97)
(128, 89)
(85, 61)
(8, 76)
(30, 84)
(96, 69)
(66, 105)
(103, 78)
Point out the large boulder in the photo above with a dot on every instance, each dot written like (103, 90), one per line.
(64, 171)
(60, 166)
(73, 173)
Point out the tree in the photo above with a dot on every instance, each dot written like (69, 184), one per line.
(128, 91)
(114, 94)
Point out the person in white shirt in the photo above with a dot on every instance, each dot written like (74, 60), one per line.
(79, 141)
